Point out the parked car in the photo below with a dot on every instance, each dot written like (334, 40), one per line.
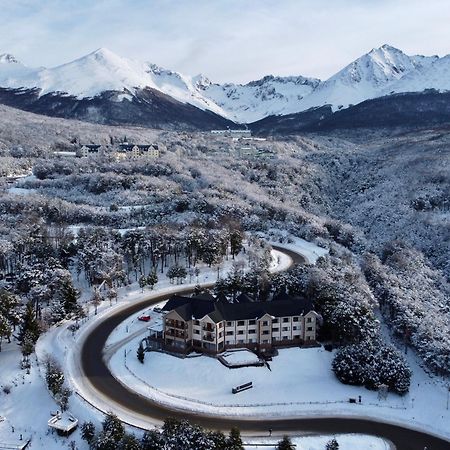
(144, 318)
(158, 310)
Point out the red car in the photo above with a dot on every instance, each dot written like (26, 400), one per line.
(144, 318)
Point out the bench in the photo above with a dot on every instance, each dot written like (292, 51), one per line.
(242, 387)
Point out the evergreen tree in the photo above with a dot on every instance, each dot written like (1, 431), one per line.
(152, 440)
(141, 353)
(285, 444)
(111, 435)
(152, 279)
(129, 442)
(69, 297)
(143, 281)
(29, 326)
(54, 376)
(219, 440)
(236, 239)
(332, 445)
(234, 441)
(88, 432)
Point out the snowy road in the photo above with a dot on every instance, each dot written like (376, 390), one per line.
(94, 381)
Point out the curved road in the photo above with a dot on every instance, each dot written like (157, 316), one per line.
(97, 372)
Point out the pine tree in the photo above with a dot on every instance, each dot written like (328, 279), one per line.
(54, 376)
(141, 353)
(113, 429)
(285, 444)
(143, 282)
(332, 445)
(129, 442)
(236, 238)
(29, 326)
(152, 279)
(152, 440)
(234, 441)
(88, 432)
(219, 440)
(69, 297)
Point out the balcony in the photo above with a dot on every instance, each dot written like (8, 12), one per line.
(175, 333)
(209, 337)
(176, 324)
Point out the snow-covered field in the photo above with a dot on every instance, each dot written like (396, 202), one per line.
(300, 382)
(345, 441)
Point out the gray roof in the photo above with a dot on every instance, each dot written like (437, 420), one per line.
(197, 308)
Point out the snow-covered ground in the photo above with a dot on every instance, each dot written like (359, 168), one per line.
(26, 409)
(345, 441)
(28, 406)
(300, 382)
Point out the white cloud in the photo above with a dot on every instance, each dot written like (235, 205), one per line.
(228, 40)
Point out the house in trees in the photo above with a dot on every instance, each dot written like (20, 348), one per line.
(206, 324)
(88, 150)
(232, 133)
(135, 151)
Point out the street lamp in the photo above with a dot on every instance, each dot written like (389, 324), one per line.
(448, 394)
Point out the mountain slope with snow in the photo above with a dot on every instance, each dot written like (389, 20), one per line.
(380, 72)
(367, 77)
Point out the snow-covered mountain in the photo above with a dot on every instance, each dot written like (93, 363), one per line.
(369, 76)
(258, 99)
(380, 72)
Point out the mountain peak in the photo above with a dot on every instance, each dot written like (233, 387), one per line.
(7, 58)
(387, 47)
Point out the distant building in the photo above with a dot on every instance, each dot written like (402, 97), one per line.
(206, 324)
(135, 151)
(232, 133)
(87, 150)
(254, 152)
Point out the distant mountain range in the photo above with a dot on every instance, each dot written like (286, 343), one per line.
(105, 88)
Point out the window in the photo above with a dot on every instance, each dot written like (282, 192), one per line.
(229, 324)
(265, 341)
(295, 319)
(241, 323)
(196, 331)
(230, 333)
(275, 330)
(196, 322)
(275, 321)
(220, 334)
(285, 328)
(250, 341)
(265, 323)
(241, 341)
(265, 332)
(241, 332)
(296, 336)
(221, 325)
(251, 331)
(285, 319)
(252, 322)
(309, 338)
(285, 338)
(309, 329)
(309, 319)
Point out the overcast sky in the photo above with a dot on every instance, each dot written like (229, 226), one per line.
(227, 40)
